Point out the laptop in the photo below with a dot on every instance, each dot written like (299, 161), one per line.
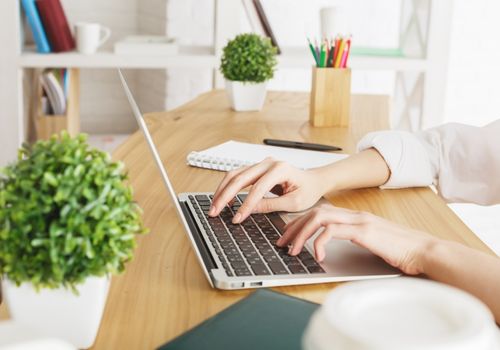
(240, 256)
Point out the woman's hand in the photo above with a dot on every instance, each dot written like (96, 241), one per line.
(399, 246)
(297, 189)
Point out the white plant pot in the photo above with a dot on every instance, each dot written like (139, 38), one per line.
(58, 312)
(246, 96)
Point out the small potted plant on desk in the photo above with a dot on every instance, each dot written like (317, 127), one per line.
(67, 221)
(248, 62)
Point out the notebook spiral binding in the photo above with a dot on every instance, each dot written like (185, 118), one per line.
(199, 160)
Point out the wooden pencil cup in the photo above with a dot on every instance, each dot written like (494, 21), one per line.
(330, 97)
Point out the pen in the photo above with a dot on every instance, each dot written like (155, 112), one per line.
(301, 145)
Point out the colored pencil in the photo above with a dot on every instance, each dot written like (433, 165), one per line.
(322, 56)
(340, 52)
(348, 52)
(313, 51)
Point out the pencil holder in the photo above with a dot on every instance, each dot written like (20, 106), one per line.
(330, 97)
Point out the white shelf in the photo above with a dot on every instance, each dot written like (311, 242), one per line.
(201, 57)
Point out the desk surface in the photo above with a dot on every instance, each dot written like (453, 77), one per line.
(164, 291)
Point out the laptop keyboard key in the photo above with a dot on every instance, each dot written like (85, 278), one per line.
(242, 272)
(260, 269)
(278, 268)
(238, 264)
(315, 269)
(296, 269)
(277, 221)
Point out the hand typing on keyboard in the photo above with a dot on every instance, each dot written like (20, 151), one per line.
(297, 189)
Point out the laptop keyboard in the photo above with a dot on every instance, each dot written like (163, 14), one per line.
(249, 248)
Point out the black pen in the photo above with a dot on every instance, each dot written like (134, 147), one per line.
(301, 145)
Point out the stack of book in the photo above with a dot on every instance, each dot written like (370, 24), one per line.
(49, 25)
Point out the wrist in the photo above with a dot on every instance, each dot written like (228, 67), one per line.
(325, 179)
(433, 251)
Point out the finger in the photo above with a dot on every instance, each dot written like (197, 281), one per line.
(326, 216)
(333, 215)
(269, 205)
(259, 189)
(291, 229)
(237, 183)
(308, 229)
(228, 177)
(321, 241)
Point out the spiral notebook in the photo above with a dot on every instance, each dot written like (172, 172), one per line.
(233, 154)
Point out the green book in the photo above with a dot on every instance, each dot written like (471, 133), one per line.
(263, 320)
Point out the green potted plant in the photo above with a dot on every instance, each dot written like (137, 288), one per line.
(67, 222)
(248, 62)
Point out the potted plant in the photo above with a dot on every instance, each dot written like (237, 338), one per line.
(248, 62)
(67, 221)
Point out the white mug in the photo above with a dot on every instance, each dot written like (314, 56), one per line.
(89, 36)
(401, 313)
(328, 21)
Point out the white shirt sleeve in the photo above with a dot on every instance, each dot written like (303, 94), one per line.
(462, 161)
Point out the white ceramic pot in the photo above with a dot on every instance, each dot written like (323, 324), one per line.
(59, 313)
(401, 313)
(246, 96)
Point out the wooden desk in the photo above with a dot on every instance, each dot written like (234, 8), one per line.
(163, 291)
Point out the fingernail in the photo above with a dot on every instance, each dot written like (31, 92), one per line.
(211, 212)
(237, 218)
(279, 241)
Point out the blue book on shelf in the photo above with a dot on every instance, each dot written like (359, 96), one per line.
(41, 41)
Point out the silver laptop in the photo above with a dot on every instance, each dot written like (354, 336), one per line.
(245, 255)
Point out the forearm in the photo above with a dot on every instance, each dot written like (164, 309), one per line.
(361, 170)
(473, 271)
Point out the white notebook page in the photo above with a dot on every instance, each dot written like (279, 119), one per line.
(233, 154)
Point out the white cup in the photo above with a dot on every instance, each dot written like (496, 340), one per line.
(89, 36)
(329, 28)
(401, 313)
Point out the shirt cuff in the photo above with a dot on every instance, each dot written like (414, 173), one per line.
(405, 156)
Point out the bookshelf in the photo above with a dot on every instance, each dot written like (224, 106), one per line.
(425, 93)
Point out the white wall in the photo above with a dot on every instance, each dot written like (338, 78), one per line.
(103, 105)
(191, 22)
(473, 93)
(151, 85)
